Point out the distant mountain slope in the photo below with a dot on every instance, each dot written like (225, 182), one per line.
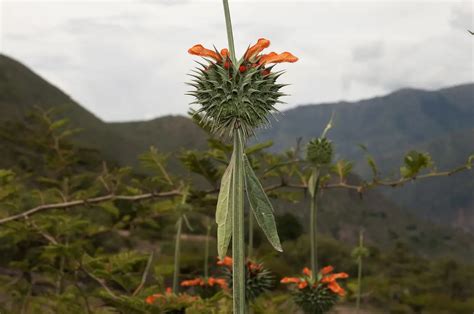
(21, 89)
(440, 122)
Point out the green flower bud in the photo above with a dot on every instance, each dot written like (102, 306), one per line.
(319, 151)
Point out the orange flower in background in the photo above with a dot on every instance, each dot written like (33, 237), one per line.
(273, 57)
(334, 286)
(227, 261)
(333, 277)
(253, 51)
(221, 282)
(326, 270)
(290, 280)
(302, 285)
(192, 282)
(254, 266)
(152, 298)
(199, 50)
(307, 272)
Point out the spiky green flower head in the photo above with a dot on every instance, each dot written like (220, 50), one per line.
(316, 294)
(237, 95)
(258, 279)
(319, 152)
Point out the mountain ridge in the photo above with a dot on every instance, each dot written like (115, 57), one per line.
(411, 118)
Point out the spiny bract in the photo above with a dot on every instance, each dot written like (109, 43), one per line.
(237, 95)
(319, 151)
(232, 99)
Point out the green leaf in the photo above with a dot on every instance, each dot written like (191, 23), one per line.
(258, 147)
(414, 163)
(373, 166)
(224, 211)
(342, 168)
(470, 162)
(261, 206)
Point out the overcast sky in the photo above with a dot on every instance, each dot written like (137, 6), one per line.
(127, 60)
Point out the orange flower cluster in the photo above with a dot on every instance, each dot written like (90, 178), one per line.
(170, 297)
(152, 298)
(252, 57)
(227, 262)
(211, 281)
(325, 277)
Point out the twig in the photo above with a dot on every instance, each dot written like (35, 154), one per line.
(146, 272)
(95, 200)
(101, 282)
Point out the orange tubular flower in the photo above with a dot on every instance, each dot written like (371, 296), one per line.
(151, 298)
(227, 261)
(199, 50)
(192, 283)
(334, 286)
(253, 51)
(290, 280)
(326, 270)
(273, 57)
(302, 285)
(333, 277)
(221, 282)
(254, 266)
(307, 272)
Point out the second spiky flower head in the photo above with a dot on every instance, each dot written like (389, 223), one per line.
(237, 96)
(319, 151)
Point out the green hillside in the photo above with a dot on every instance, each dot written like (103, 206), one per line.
(439, 122)
(381, 123)
(21, 89)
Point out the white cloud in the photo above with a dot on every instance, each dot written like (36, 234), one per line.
(127, 60)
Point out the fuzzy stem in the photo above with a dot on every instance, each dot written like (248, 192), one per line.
(359, 271)
(230, 36)
(313, 224)
(250, 246)
(206, 251)
(177, 253)
(238, 243)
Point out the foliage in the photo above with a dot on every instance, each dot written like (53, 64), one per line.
(95, 256)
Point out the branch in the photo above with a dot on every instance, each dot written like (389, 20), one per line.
(95, 200)
(100, 282)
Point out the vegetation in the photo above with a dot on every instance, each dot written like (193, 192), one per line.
(82, 234)
(107, 242)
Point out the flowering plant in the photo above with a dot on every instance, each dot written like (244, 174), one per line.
(205, 287)
(170, 301)
(258, 279)
(316, 294)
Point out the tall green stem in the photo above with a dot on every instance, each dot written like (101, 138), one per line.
(177, 253)
(313, 223)
(206, 251)
(359, 271)
(250, 245)
(230, 35)
(238, 243)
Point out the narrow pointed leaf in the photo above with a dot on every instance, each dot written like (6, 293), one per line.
(261, 206)
(224, 211)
